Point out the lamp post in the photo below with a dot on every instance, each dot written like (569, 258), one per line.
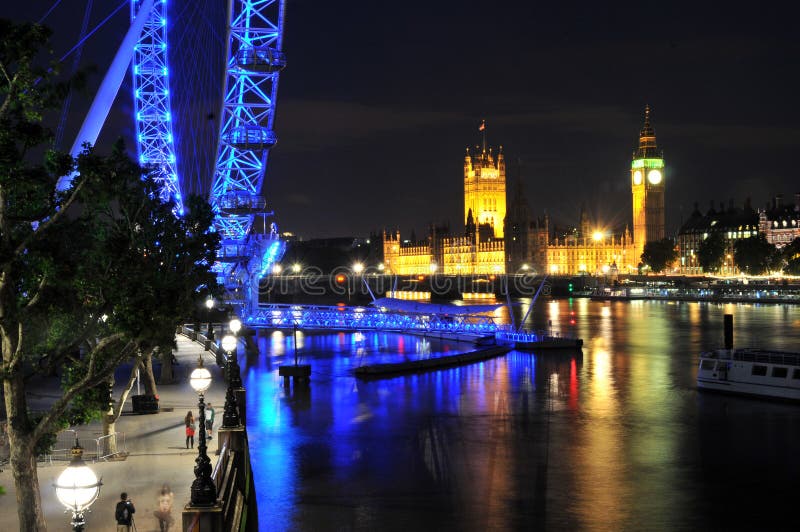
(204, 492)
(77, 487)
(230, 416)
(209, 306)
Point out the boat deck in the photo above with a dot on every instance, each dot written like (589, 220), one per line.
(757, 355)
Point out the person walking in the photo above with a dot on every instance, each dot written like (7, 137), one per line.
(164, 512)
(124, 513)
(189, 422)
(209, 420)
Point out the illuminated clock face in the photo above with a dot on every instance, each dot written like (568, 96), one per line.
(654, 176)
(637, 177)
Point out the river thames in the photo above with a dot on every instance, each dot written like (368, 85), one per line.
(614, 438)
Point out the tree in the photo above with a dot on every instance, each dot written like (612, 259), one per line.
(754, 255)
(177, 253)
(659, 254)
(791, 254)
(711, 252)
(90, 276)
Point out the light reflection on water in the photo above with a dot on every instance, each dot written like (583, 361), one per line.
(614, 438)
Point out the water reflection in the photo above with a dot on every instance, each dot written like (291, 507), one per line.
(615, 437)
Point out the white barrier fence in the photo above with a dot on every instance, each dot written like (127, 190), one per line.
(104, 447)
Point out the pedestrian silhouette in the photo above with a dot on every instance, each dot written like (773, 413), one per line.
(164, 512)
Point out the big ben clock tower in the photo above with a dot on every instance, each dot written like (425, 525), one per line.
(647, 185)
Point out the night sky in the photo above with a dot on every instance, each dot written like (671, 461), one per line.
(379, 101)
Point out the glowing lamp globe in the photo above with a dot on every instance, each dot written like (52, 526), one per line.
(229, 343)
(209, 303)
(200, 379)
(77, 486)
(235, 326)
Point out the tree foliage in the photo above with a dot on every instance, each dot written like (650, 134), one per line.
(659, 254)
(755, 255)
(711, 252)
(791, 255)
(89, 276)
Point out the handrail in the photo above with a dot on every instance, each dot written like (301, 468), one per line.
(223, 452)
(770, 357)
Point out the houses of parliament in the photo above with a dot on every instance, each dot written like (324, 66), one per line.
(500, 238)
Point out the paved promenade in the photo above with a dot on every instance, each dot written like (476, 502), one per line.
(156, 444)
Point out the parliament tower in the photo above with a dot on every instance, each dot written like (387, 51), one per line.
(647, 186)
(485, 186)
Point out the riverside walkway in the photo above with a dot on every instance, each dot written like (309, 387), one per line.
(156, 444)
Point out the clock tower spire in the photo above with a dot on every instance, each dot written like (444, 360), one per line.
(647, 186)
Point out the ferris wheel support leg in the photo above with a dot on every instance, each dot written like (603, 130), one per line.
(108, 89)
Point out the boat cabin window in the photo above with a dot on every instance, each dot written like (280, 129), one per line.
(780, 372)
(761, 371)
(796, 374)
(707, 364)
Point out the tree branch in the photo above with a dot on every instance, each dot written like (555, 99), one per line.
(10, 96)
(17, 356)
(124, 395)
(89, 380)
(37, 297)
(44, 226)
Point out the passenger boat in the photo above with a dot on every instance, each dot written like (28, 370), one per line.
(747, 371)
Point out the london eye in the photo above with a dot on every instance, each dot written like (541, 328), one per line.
(205, 82)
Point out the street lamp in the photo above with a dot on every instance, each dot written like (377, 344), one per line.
(204, 492)
(235, 326)
(209, 306)
(77, 487)
(230, 416)
(358, 267)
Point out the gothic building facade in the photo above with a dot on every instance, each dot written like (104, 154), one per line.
(505, 239)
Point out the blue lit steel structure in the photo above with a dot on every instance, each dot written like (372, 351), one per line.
(286, 316)
(255, 60)
(152, 103)
(344, 318)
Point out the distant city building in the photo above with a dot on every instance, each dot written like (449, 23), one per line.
(732, 223)
(780, 223)
(496, 240)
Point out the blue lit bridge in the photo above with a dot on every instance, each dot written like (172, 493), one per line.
(347, 318)
(287, 316)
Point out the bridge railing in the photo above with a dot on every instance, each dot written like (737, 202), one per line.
(236, 507)
(366, 318)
